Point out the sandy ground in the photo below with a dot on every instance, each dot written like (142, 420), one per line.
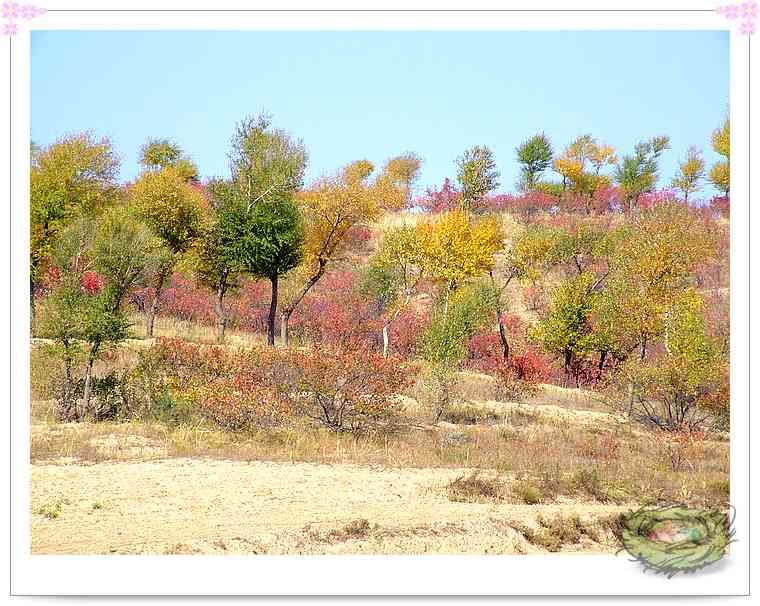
(211, 506)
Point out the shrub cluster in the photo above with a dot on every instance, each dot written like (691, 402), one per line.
(265, 387)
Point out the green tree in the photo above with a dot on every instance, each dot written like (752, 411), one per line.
(74, 176)
(265, 160)
(268, 239)
(444, 343)
(684, 385)
(267, 170)
(534, 156)
(393, 275)
(174, 209)
(477, 175)
(216, 253)
(690, 173)
(637, 173)
(100, 261)
(567, 329)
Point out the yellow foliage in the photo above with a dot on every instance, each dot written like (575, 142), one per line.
(172, 207)
(336, 204)
(453, 246)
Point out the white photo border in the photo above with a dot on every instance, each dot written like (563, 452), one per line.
(361, 575)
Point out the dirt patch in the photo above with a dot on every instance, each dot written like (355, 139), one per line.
(207, 506)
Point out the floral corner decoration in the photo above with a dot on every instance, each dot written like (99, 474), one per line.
(14, 12)
(745, 13)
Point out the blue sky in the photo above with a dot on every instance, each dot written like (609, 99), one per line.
(353, 95)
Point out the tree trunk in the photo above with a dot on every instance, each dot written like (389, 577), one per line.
(31, 306)
(568, 364)
(600, 367)
(284, 329)
(87, 388)
(69, 411)
(643, 351)
(154, 306)
(221, 314)
(503, 336)
(386, 340)
(272, 312)
(288, 311)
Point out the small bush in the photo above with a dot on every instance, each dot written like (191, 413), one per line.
(527, 492)
(589, 481)
(468, 414)
(555, 533)
(52, 510)
(475, 488)
(352, 391)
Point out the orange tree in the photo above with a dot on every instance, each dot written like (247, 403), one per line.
(331, 209)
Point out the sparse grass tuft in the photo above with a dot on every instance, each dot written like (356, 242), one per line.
(589, 481)
(475, 489)
(471, 414)
(526, 492)
(52, 510)
(555, 533)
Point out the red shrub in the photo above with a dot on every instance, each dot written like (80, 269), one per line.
(349, 391)
(249, 389)
(721, 205)
(440, 200)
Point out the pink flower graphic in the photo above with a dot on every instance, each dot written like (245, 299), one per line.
(747, 11)
(10, 10)
(13, 11)
(731, 12)
(29, 12)
(747, 28)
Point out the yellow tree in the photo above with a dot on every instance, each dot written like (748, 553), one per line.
(449, 249)
(580, 167)
(454, 247)
(690, 173)
(720, 173)
(175, 211)
(403, 171)
(394, 275)
(331, 208)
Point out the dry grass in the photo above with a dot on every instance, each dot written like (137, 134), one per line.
(197, 333)
(555, 445)
(555, 461)
(560, 531)
(476, 488)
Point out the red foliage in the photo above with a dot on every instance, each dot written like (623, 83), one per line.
(243, 390)
(721, 205)
(406, 331)
(440, 200)
(648, 200)
(91, 282)
(526, 363)
(336, 315)
(183, 299)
